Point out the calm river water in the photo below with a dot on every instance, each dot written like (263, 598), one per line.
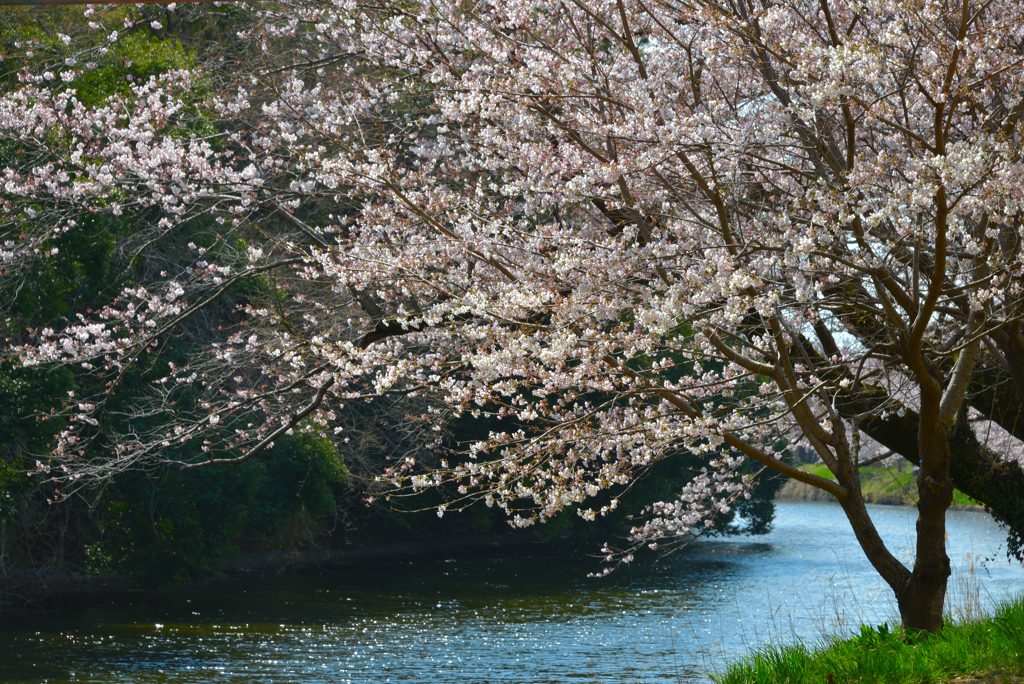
(528, 616)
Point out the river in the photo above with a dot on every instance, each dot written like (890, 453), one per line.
(524, 616)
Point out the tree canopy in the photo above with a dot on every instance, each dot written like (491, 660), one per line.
(629, 229)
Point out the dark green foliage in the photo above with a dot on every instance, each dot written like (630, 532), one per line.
(172, 528)
(158, 527)
(14, 484)
(177, 527)
(75, 278)
(298, 477)
(80, 275)
(26, 395)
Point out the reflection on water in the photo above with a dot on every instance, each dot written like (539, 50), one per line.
(523, 616)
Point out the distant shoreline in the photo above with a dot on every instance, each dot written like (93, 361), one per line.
(880, 486)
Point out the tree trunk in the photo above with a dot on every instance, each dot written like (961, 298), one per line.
(921, 593)
(922, 600)
(922, 597)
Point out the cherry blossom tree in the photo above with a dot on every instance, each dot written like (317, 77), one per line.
(627, 228)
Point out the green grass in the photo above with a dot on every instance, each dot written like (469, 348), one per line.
(992, 649)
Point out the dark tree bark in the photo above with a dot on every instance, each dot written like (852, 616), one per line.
(922, 597)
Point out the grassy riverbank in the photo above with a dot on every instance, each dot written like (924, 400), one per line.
(880, 486)
(986, 651)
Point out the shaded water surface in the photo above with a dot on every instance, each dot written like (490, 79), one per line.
(527, 615)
